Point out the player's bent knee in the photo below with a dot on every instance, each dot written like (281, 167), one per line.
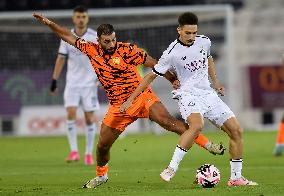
(89, 121)
(197, 127)
(237, 133)
(103, 147)
(240, 132)
(71, 115)
(89, 118)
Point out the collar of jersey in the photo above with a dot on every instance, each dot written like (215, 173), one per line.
(180, 42)
(101, 51)
(74, 30)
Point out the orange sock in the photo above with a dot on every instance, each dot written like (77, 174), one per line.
(280, 136)
(101, 171)
(201, 140)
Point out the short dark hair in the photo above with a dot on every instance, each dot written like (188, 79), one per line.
(105, 29)
(187, 18)
(80, 8)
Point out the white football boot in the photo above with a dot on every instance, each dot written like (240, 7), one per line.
(95, 182)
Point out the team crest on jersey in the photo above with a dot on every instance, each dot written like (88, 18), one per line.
(116, 60)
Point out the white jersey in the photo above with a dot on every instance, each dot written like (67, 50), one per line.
(190, 63)
(79, 69)
(195, 94)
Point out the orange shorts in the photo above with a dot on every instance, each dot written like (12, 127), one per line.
(139, 109)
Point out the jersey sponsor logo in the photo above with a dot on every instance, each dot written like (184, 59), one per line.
(195, 65)
(203, 52)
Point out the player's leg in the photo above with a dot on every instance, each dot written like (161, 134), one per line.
(225, 118)
(234, 131)
(72, 134)
(113, 125)
(90, 136)
(90, 104)
(159, 114)
(280, 139)
(107, 137)
(71, 102)
(186, 140)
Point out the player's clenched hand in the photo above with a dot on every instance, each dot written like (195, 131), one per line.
(53, 87)
(176, 84)
(125, 106)
(219, 88)
(42, 19)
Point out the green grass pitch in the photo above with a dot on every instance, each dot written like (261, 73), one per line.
(35, 166)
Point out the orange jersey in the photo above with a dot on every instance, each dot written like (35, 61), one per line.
(117, 72)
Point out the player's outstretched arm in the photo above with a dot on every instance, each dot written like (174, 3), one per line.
(62, 32)
(212, 73)
(141, 87)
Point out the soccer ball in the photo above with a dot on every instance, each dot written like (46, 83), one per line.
(208, 176)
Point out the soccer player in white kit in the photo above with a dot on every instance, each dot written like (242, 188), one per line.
(81, 85)
(189, 56)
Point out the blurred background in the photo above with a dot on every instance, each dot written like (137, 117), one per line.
(248, 49)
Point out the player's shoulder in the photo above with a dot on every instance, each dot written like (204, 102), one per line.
(203, 39)
(171, 48)
(91, 31)
(89, 44)
(128, 44)
(125, 46)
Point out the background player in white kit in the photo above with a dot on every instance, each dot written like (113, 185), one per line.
(189, 56)
(81, 85)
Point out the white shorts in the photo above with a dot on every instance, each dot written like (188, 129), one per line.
(87, 95)
(209, 106)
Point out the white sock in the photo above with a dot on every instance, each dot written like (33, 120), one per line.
(72, 135)
(103, 178)
(177, 157)
(236, 168)
(90, 137)
(208, 145)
